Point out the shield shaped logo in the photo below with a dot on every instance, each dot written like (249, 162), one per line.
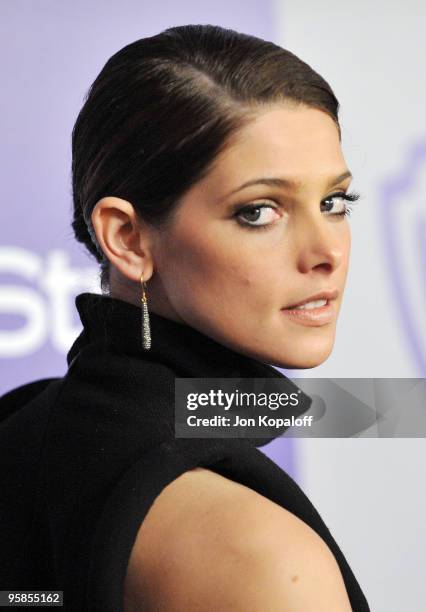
(403, 208)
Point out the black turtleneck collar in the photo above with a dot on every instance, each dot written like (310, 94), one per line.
(181, 347)
(108, 362)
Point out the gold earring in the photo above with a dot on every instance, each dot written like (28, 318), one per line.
(145, 327)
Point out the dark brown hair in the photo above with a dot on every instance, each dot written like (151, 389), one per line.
(163, 108)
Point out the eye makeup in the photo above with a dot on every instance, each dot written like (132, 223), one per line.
(258, 207)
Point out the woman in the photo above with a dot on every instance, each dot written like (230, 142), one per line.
(210, 185)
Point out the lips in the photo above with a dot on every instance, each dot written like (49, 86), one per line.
(328, 294)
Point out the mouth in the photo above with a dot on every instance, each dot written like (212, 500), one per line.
(314, 311)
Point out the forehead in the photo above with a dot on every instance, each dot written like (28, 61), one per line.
(298, 142)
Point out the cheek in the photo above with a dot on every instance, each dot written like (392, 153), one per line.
(215, 262)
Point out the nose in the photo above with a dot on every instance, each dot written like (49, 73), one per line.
(321, 244)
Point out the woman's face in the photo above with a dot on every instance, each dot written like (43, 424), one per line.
(236, 258)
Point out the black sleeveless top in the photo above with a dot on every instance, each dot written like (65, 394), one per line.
(83, 457)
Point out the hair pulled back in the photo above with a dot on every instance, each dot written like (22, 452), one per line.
(162, 109)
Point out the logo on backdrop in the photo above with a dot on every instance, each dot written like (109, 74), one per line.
(45, 303)
(403, 217)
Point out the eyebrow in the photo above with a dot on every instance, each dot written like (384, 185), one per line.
(288, 183)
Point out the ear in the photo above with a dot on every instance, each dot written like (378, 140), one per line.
(122, 237)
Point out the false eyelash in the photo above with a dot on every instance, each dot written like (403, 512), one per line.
(352, 196)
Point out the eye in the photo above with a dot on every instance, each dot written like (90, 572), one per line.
(257, 215)
(335, 204)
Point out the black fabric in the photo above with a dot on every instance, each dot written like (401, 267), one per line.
(83, 457)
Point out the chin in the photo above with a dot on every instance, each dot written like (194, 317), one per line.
(294, 364)
(304, 357)
(297, 352)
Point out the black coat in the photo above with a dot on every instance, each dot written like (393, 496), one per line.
(83, 457)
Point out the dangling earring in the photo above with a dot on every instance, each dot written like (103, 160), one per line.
(145, 328)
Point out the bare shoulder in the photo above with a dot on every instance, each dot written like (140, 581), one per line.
(208, 542)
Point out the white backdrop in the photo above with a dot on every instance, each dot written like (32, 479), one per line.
(371, 492)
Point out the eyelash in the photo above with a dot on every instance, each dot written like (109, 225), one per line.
(349, 197)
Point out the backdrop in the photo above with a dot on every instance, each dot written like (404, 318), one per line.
(370, 492)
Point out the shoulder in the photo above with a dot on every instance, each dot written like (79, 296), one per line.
(211, 543)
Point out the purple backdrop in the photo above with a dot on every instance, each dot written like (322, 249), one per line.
(52, 51)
